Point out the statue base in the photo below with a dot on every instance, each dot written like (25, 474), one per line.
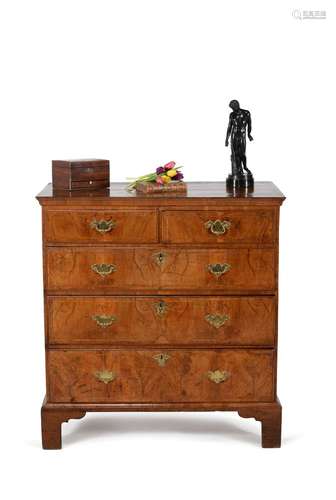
(240, 182)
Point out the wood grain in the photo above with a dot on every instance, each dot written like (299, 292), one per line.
(198, 194)
(130, 226)
(246, 226)
(80, 174)
(53, 415)
(139, 378)
(140, 321)
(271, 422)
(51, 424)
(161, 250)
(69, 270)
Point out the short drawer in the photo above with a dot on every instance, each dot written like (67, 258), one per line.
(217, 321)
(90, 173)
(89, 184)
(122, 270)
(112, 226)
(160, 376)
(219, 227)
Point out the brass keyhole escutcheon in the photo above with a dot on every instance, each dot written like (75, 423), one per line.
(161, 359)
(160, 308)
(160, 258)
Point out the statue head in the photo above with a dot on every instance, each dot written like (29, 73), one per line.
(234, 105)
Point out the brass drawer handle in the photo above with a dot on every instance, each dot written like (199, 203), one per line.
(103, 320)
(218, 376)
(103, 226)
(161, 359)
(217, 226)
(105, 376)
(160, 258)
(160, 308)
(218, 269)
(103, 269)
(217, 320)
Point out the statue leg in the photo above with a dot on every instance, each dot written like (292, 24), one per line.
(234, 164)
(244, 165)
(239, 166)
(240, 153)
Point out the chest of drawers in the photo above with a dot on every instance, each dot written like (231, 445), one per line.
(161, 303)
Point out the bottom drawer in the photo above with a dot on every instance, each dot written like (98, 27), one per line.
(185, 375)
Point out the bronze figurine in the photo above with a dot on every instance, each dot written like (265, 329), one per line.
(240, 120)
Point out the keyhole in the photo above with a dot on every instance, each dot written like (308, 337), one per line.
(161, 257)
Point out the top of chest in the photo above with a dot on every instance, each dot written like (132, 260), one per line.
(199, 194)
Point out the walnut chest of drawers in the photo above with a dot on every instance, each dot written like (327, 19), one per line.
(161, 303)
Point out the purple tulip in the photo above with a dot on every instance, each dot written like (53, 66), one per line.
(160, 170)
(178, 176)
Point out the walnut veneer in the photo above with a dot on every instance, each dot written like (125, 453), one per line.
(161, 303)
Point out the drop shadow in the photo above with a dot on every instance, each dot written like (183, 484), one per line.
(292, 438)
(100, 427)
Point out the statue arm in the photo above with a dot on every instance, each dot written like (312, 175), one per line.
(249, 126)
(228, 132)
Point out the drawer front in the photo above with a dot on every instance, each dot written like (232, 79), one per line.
(112, 226)
(216, 321)
(122, 270)
(222, 226)
(90, 184)
(160, 376)
(90, 173)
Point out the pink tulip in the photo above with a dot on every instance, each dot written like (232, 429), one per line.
(169, 165)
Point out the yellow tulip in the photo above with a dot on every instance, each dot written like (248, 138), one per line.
(166, 179)
(172, 172)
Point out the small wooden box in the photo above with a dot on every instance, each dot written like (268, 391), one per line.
(80, 174)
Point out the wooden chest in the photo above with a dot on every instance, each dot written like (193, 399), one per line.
(161, 303)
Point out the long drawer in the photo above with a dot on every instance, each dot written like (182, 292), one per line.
(237, 321)
(155, 376)
(106, 227)
(123, 270)
(222, 226)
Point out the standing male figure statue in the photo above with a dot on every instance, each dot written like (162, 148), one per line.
(240, 120)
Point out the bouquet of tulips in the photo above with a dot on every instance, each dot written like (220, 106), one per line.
(162, 175)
